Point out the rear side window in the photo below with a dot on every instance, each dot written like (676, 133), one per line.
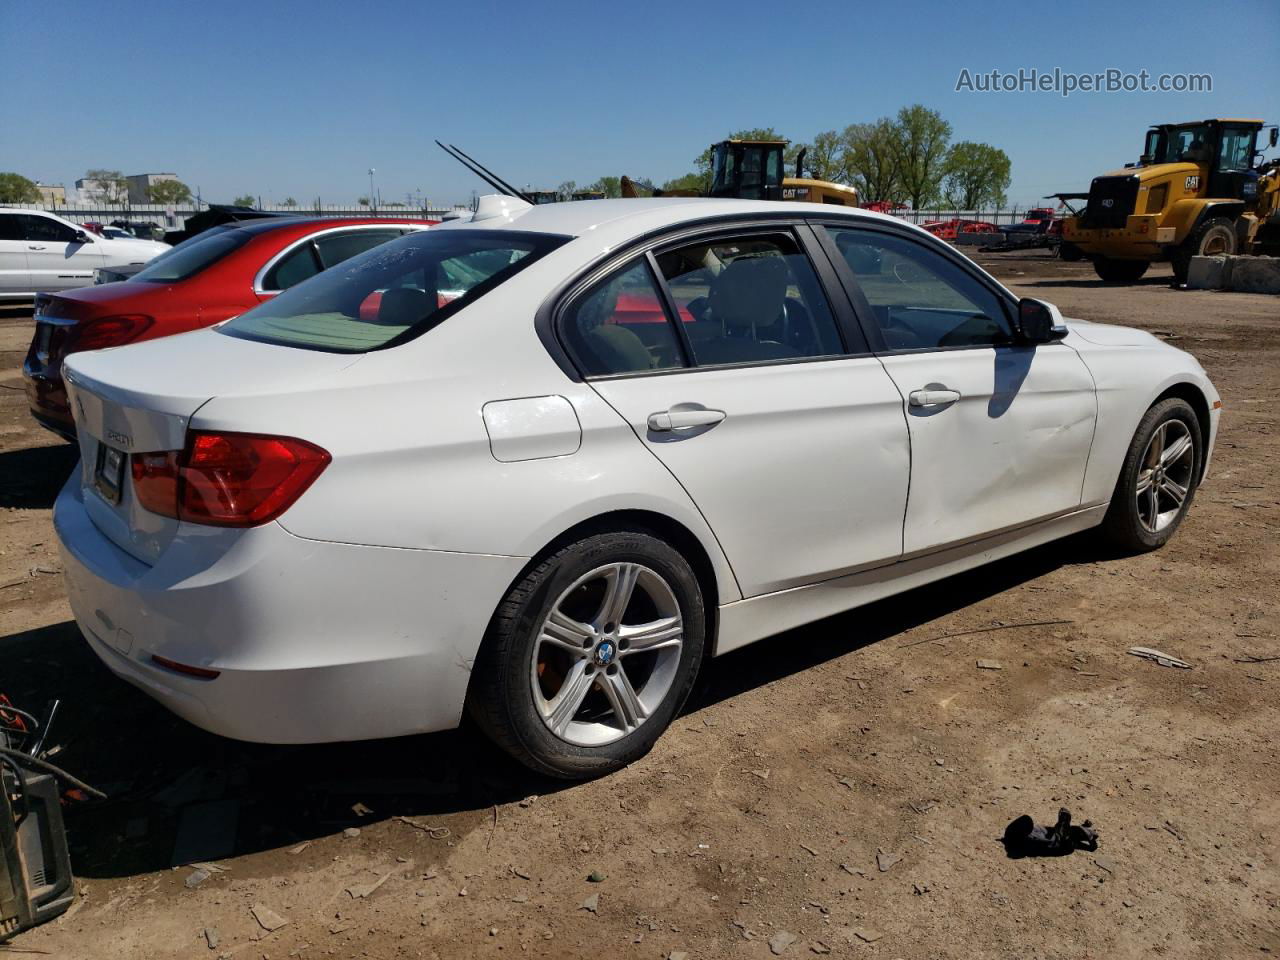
(191, 256)
(10, 228)
(750, 299)
(336, 247)
(295, 266)
(619, 325)
(393, 292)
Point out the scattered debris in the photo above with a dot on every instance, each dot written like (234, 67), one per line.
(762, 774)
(1102, 863)
(968, 633)
(678, 955)
(435, 833)
(780, 941)
(866, 935)
(819, 948)
(529, 800)
(809, 849)
(300, 847)
(351, 832)
(522, 874)
(990, 665)
(886, 860)
(1022, 838)
(195, 878)
(595, 876)
(1164, 659)
(267, 918)
(1250, 658)
(360, 810)
(212, 938)
(362, 891)
(846, 782)
(592, 903)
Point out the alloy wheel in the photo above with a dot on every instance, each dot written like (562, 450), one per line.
(607, 654)
(1164, 479)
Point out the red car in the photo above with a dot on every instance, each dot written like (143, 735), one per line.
(213, 276)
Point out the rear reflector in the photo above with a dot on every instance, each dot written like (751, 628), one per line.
(201, 673)
(227, 479)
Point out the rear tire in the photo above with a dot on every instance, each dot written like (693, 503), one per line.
(1070, 252)
(591, 655)
(1158, 479)
(1215, 237)
(1119, 271)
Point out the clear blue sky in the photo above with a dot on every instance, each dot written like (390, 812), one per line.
(287, 98)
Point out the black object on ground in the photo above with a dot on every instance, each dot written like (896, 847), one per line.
(1022, 838)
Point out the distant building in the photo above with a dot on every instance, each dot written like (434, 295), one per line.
(90, 191)
(52, 195)
(140, 185)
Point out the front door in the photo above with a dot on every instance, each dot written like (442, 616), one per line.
(791, 444)
(57, 259)
(1000, 432)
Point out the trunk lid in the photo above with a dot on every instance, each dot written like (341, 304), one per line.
(140, 399)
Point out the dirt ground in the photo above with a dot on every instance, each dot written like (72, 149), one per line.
(763, 810)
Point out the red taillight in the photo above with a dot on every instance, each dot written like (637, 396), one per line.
(106, 332)
(227, 479)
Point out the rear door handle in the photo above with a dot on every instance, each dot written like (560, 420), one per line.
(684, 417)
(933, 398)
(32, 246)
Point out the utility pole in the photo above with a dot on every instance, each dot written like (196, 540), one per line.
(373, 201)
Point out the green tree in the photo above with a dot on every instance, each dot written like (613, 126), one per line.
(921, 153)
(169, 191)
(826, 158)
(977, 175)
(610, 186)
(245, 200)
(566, 189)
(870, 156)
(108, 186)
(697, 182)
(15, 188)
(289, 202)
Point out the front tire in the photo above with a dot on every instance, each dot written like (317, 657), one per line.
(1069, 252)
(591, 655)
(1158, 479)
(1119, 271)
(1215, 237)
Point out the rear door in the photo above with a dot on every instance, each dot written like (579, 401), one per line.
(1000, 431)
(57, 259)
(14, 275)
(761, 400)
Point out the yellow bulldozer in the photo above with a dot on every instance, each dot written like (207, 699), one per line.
(753, 170)
(1196, 191)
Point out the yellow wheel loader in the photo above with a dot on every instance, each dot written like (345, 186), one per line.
(1195, 192)
(753, 170)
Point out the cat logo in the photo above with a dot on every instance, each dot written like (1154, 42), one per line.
(1193, 183)
(1108, 202)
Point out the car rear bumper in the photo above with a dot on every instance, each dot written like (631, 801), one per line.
(313, 641)
(47, 398)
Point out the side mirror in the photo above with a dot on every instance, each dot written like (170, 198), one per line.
(1275, 135)
(1039, 321)
(82, 237)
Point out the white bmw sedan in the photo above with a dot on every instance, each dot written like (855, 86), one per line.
(543, 465)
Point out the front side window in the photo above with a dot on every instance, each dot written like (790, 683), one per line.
(393, 292)
(1235, 152)
(749, 299)
(619, 325)
(47, 230)
(919, 299)
(11, 227)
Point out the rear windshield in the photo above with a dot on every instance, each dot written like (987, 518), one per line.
(191, 256)
(393, 292)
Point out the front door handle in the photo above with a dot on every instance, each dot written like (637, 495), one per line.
(933, 398)
(32, 246)
(684, 417)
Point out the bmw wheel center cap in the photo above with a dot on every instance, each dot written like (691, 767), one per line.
(605, 652)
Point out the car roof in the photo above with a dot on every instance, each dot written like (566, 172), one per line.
(280, 223)
(578, 218)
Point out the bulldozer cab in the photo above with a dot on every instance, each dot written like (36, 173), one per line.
(747, 169)
(1224, 149)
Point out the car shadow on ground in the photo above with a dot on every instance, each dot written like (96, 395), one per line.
(178, 794)
(30, 479)
(1165, 281)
